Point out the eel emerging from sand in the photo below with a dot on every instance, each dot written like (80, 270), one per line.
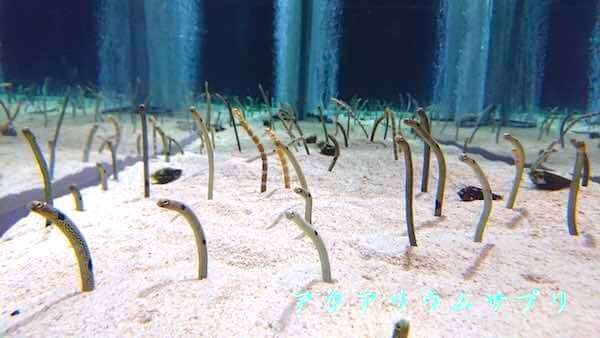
(191, 218)
(259, 146)
(75, 238)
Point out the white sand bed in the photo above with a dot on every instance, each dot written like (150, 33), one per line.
(145, 260)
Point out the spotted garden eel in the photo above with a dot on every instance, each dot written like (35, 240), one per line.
(42, 165)
(88, 143)
(574, 189)
(487, 195)
(138, 145)
(53, 143)
(259, 146)
(142, 112)
(75, 238)
(209, 150)
(519, 157)
(426, 124)
(408, 189)
(76, 197)
(102, 176)
(317, 241)
(113, 155)
(437, 151)
(307, 203)
(191, 218)
(281, 155)
(336, 155)
(165, 143)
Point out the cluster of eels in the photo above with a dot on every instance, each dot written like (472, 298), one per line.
(421, 128)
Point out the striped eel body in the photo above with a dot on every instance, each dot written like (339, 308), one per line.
(42, 165)
(574, 189)
(142, 112)
(259, 146)
(209, 150)
(191, 218)
(519, 157)
(487, 195)
(317, 241)
(281, 155)
(75, 238)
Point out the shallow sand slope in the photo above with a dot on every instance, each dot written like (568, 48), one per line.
(146, 263)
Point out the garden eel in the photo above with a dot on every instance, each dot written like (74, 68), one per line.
(336, 155)
(228, 104)
(574, 189)
(102, 175)
(209, 150)
(426, 137)
(152, 120)
(174, 141)
(192, 220)
(259, 146)
(113, 154)
(376, 124)
(392, 119)
(408, 189)
(586, 171)
(307, 203)
(52, 143)
(118, 131)
(401, 329)
(88, 143)
(322, 116)
(487, 195)
(519, 157)
(281, 155)
(424, 121)
(165, 143)
(317, 241)
(75, 238)
(267, 103)
(208, 109)
(142, 112)
(76, 197)
(350, 114)
(297, 167)
(572, 123)
(341, 127)
(42, 165)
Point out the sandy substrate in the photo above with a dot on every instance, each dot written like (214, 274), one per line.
(145, 260)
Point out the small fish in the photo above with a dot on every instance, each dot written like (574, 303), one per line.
(545, 180)
(471, 193)
(166, 175)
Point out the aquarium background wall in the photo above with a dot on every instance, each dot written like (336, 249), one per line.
(457, 55)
